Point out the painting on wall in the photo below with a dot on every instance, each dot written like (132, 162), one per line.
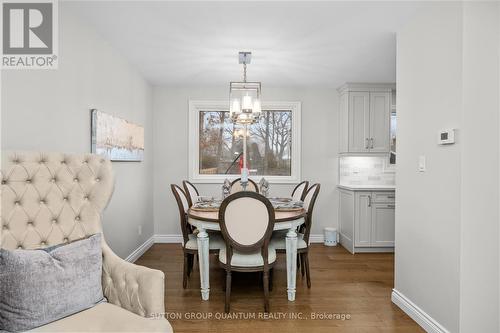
(116, 138)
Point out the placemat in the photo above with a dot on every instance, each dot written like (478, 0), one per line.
(281, 204)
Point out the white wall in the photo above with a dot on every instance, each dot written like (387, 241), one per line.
(319, 148)
(49, 110)
(479, 276)
(429, 83)
(447, 255)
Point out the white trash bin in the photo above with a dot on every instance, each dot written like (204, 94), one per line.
(330, 237)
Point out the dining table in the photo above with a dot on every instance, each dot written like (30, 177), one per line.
(208, 219)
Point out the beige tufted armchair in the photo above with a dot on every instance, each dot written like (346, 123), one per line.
(54, 198)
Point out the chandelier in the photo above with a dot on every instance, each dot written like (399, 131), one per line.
(244, 97)
(244, 108)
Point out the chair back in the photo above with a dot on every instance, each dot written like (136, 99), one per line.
(52, 198)
(309, 202)
(247, 222)
(300, 190)
(182, 204)
(236, 186)
(191, 192)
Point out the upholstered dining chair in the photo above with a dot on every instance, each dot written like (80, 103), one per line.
(191, 192)
(298, 193)
(300, 190)
(247, 221)
(54, 198)
(190, 243)
(236, 186)
(278, 240)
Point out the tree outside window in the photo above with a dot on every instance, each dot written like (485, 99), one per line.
(269, 144)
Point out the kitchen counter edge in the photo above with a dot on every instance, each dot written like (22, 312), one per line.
(367, 187)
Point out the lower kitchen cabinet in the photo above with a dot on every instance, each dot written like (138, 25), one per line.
(367, 220)
(382, 232)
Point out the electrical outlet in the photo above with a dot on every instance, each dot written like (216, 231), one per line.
(139, 230)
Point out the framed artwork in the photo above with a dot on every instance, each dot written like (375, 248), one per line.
(116, 138)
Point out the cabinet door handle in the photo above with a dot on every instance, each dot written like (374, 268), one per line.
(371, 140)
(369, 201)
(366, 143)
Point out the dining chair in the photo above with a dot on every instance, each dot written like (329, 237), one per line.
(298, 194)
(300, 190)
(247, 221)
(278, 241)
(190, 242)
(191, 192)
(236, 186)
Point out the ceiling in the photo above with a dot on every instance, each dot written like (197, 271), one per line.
(293, 43)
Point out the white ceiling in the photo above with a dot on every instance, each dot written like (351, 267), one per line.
(293, 43)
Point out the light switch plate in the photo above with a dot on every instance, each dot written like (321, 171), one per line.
(421, 163)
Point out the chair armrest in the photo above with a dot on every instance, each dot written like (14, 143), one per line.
(135, 288)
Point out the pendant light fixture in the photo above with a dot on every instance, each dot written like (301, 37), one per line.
(244, 97)
(244, 107)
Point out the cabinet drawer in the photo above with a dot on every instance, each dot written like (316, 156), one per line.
(389, 197)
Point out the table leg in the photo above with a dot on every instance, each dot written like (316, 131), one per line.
(291, 263)
(203, 253)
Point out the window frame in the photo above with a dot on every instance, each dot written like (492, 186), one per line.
(196, 106)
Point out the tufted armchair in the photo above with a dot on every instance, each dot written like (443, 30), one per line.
(54, 198)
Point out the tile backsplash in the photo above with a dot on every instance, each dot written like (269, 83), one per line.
(366, 170)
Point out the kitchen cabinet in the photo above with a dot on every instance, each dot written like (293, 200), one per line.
(364, 117)
(362, 220)
(382, 224)
(367, 220)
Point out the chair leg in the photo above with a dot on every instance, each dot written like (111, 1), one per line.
(190, 265)
(302, 264)
(266, 291)
(308, 273)
(185, 271)
(271, 279)
(228, 291)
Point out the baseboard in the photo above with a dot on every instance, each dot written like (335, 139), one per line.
(175, 239)
(317, 238)
(168, 239)
(428, 323)
(141, 249)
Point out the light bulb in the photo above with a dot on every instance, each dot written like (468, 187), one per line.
(235, 107)
(256, 107)
(247, 103)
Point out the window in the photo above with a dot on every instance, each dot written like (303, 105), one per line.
(393, 128)
(216, 143)
(392, 156)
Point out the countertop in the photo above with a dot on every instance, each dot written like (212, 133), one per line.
(367, 187)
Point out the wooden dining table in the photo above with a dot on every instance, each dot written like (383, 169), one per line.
(284, 220)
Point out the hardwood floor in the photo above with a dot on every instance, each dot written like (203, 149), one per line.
(356, 285)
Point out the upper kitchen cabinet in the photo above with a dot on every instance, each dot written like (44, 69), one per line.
(365, 117)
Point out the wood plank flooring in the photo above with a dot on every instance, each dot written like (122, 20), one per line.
(342, 284)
